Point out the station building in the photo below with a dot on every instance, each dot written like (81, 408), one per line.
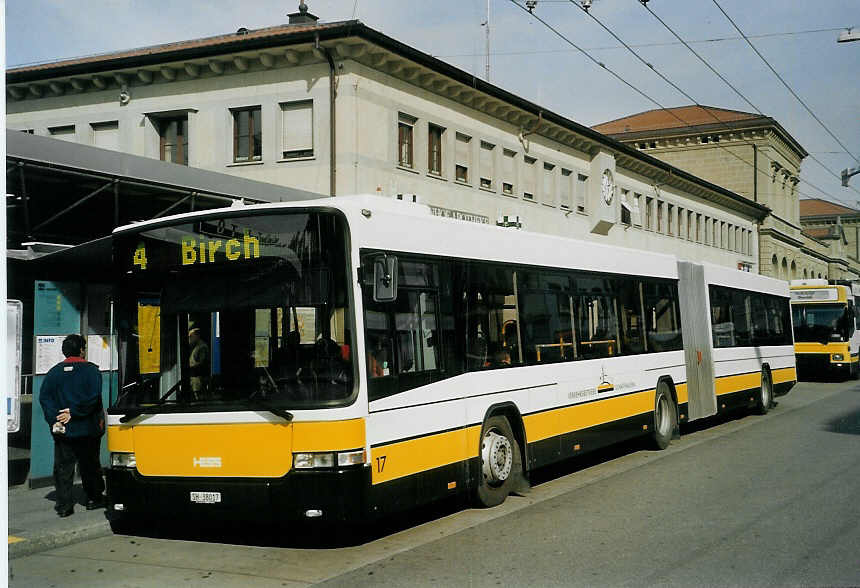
(754, 156)
(340, 108)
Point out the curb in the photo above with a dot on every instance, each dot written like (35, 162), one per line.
(45, 541)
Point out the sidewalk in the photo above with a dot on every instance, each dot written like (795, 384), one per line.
(35, 527)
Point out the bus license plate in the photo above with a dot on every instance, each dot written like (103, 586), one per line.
(206, 497)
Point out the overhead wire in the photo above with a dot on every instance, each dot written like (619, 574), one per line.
(647, 45)
(784, 83)
(730, 85)
(688, 96)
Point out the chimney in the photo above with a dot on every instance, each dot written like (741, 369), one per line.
(302, 17)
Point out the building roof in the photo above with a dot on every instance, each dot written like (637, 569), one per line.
(819, 207)
(242, 39)
(693, 119)
(659, 119)
(42, 78)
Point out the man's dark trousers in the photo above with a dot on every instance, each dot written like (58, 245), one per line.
(84, 450)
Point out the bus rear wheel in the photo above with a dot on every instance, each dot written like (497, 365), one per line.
(664, 417)
(765, 393)
(501, 462)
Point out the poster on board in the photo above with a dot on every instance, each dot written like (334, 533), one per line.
(14, 334)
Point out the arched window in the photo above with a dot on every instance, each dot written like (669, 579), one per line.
(793, 270)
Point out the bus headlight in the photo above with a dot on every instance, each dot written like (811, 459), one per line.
(123, 460)
(349, 458)
(306, 461)
(312, 460)
(838, 357)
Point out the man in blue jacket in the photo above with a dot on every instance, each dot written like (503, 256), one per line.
(72, 404)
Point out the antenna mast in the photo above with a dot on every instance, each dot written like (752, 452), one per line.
(487, 25)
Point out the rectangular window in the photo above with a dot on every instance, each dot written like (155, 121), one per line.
(581, 192)
(706, 233)
(715, 230)
(247, 134)
(690, 227)
(173, 139)
(297, 129)
(723, 236)
(565, 192)
(487, 166)
(698, 228)
(65, 133)
(463, 157)
(434, 149)
(529, 180)
(548, 188)
(649, 213)
(106, 135)
(509, 171)
(545, 311)
(405, 131)
(682, 216)
(662, 318)
(492, 336)
(737, 239)
(660, 207)
(670, 210)
(626, 207)
(637, 209)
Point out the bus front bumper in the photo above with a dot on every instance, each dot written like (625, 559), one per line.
(324, 495)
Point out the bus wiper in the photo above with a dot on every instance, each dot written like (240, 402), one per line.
(133, 413)
(284, 414)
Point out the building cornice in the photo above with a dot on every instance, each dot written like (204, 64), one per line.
(289, 46)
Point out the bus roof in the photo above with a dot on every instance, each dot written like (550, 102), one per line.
(383, 223)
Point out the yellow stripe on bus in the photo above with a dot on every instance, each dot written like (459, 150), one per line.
(404, 458)
(552, 423)
(729, 384)
(821, 348)
(784, 375)
(120, 438)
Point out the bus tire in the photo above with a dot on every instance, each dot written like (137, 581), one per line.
(765, 395)
(501, 462)
(664, 417)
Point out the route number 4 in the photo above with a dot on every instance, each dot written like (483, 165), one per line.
(140, 257)
(380, 464)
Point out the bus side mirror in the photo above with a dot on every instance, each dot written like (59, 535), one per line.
(385, 278)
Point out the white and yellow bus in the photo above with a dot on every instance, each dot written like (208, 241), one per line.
(348, 358)
(826, 337)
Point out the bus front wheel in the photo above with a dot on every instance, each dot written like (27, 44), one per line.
(664, 417)
(501, 462)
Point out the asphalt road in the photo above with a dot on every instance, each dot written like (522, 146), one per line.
(747, 501)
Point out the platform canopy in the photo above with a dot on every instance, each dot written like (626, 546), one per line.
(60, 193)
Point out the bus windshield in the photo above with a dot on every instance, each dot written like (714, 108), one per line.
(234, 313)
(818, 322)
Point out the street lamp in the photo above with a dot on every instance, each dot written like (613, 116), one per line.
(848, 36)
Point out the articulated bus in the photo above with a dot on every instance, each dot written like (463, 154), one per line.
(826, 337)
(343, 359)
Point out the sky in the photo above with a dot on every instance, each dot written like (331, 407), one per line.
(796, 37)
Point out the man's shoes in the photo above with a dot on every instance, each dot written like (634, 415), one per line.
(97, 503)
(65, 512)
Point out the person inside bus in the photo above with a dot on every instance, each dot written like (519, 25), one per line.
(377, 359)
(198, 362)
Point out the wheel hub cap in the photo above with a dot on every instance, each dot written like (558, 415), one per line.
(497, 457)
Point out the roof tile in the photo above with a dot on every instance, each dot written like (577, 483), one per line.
(669, 119)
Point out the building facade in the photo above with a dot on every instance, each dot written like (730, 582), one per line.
(839, 227)
(341, 109)
(751, 155)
